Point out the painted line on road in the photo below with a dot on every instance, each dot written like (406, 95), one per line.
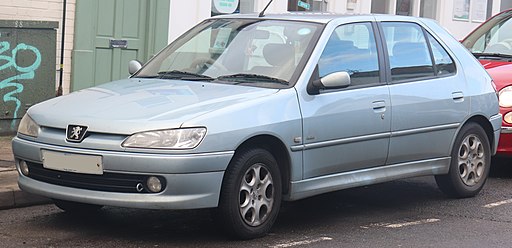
(412, 223)
(302, 242)
(400, 225)
(496, 204)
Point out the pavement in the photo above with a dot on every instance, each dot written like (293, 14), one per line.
(11, 196)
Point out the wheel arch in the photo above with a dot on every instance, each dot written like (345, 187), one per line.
(278, 149)
(486, 125)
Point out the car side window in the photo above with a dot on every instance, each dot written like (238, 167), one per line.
(351, 48)
(443, 61)
(409, 56)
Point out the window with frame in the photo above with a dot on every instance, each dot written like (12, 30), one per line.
(409, 54)
(443, 61)
(352, 48)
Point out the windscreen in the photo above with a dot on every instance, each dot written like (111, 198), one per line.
(237, 48)
(493, 37)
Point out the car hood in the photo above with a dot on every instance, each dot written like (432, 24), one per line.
(500, 71)
(133, 105)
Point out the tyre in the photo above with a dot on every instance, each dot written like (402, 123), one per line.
(76, 207)
(251, 194)
(470, 163)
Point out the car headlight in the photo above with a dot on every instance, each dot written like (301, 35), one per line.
(184, 138)
(28, 127)
(505, 96)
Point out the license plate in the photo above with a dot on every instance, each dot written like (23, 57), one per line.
(71, 162)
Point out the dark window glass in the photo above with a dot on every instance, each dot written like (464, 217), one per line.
(444, 62)
(352, 48)
(409, 55)
(404, 7)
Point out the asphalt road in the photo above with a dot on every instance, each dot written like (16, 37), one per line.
(404, 213)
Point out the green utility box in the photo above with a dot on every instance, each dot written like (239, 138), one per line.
(27, 68)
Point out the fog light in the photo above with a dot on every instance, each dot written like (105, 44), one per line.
(24, 167)
(154, 184)
(508, 118)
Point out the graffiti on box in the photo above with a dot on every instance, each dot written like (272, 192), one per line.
(13, 84)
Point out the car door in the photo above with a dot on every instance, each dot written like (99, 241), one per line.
(427, 95)
(347, 129)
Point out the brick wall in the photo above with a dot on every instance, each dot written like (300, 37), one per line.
(46, 10)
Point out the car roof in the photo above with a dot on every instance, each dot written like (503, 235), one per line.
(318, 17)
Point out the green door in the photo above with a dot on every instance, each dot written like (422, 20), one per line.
(110, 33)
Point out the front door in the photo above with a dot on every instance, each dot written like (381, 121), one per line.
(347, 129)
(110, 33)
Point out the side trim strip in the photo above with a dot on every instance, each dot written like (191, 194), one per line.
(340, 141)
(372, 137)
(425, 130)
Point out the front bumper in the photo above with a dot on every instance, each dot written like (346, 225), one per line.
(505, 144)
(192, 180)
(506, 130)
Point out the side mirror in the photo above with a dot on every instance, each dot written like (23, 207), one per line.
(134, 66)
(333, 81)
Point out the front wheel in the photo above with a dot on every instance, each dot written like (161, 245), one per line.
(470, 163)
(251, 194)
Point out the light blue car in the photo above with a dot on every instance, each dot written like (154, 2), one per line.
(243, 112)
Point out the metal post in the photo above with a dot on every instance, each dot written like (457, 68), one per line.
(61, 69)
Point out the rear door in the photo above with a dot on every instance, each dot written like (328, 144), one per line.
(428, 96)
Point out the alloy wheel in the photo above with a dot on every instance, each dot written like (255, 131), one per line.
(256, 195)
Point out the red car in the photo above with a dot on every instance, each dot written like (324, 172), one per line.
(491, 43)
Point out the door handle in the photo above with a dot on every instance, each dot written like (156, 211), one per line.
(379, 106)
(458, 96)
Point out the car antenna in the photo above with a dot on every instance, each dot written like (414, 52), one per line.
(262, 13)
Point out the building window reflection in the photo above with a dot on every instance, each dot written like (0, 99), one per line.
(307, 5)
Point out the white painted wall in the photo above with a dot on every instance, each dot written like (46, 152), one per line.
(342, 7)
(186, 14)
(277, 6)
(459, 29)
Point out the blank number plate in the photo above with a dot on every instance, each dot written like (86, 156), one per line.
(71, 162)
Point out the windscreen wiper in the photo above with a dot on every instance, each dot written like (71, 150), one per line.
(499, 55)
(252, 78)
(183, 75)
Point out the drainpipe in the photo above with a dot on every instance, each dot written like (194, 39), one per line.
(61, 69)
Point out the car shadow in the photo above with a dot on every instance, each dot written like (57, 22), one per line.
(299, 218)
(501, 167)
(380, 199)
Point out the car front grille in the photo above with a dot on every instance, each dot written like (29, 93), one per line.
(108, 182)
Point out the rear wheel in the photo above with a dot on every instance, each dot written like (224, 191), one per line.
(470, 163)
(251, 194)
(76, 207)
